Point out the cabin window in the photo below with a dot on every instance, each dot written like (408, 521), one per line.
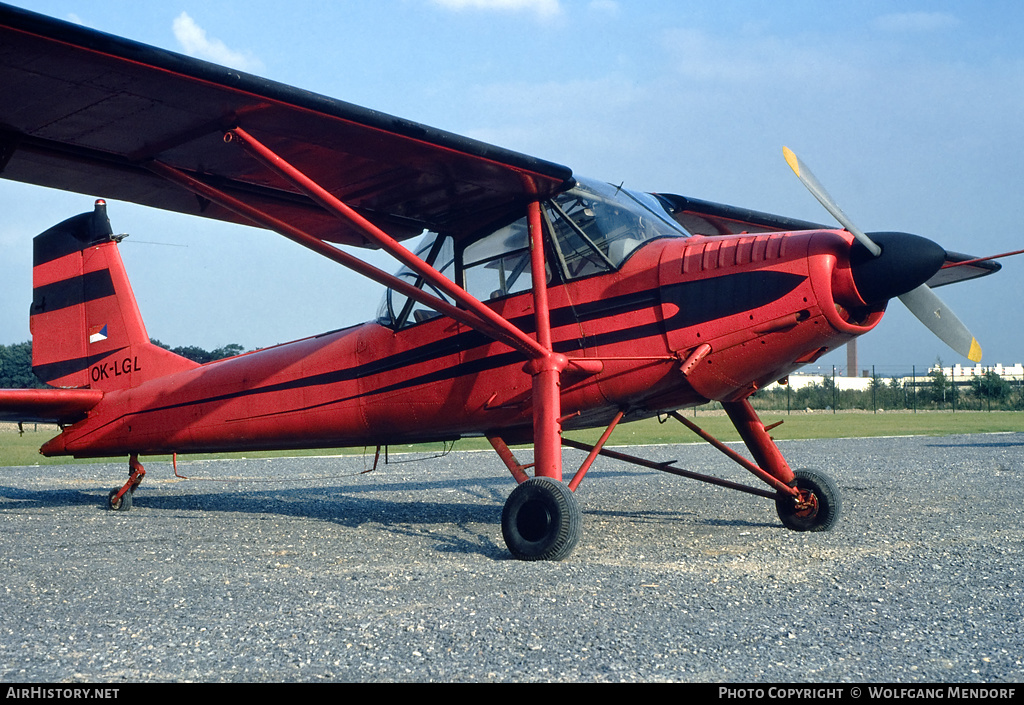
(398, 310)
(574, 232)
(499, 264)
(593, 228)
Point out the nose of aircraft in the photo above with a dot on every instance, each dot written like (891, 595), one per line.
(906, 262)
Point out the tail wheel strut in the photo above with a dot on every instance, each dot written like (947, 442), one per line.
(817, 505)
(120, 500)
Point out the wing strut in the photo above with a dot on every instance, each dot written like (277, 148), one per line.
(511, 335)
(544, 366)
(327, 250)
(263, 220)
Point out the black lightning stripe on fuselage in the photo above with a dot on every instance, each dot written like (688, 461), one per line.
(698, 302)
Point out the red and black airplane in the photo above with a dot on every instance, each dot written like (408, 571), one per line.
(534, 302)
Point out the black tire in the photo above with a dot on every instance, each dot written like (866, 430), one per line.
(541, 520)
(823, 508)
(122, 505)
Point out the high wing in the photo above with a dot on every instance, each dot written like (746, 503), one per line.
(708, 218)
(86, 111)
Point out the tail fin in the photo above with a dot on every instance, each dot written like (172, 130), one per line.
(87, 331)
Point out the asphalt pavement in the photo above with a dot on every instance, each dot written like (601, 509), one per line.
(312, 570)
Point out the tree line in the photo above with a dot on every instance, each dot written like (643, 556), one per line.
(986, 392)
(16, 361)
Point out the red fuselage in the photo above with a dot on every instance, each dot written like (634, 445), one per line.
(764, 304)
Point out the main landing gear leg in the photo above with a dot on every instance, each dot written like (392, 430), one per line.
(541, 519)
(120, 500)
(815, 506)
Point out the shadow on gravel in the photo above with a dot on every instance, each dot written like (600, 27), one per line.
(425, 509)
(978, 444)
(740, 524)
(14, 498)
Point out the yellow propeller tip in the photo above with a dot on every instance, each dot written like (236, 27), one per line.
(791, 159)
(974, 355)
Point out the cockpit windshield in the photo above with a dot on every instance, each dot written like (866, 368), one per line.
(597, 226)
(592, 228)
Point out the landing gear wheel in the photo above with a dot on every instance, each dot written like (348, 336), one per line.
(119, 505)
(541, 520)
(817, 508)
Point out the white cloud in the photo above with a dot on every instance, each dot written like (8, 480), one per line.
(756, 60)
(916, 22)
(194, 42)
(544, 9)
(607, 7)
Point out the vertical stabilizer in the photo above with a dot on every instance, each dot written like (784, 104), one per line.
(87, 331)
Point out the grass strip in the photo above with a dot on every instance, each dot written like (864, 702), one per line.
(23, 448)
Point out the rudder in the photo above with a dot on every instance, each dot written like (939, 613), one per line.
(87, 331)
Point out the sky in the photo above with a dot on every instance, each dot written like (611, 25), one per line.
(909, 112)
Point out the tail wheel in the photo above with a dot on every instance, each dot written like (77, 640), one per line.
(541, 520)
(119, 505)
(816, 508)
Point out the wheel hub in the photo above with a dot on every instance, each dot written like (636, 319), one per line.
(533, 521)
(806, 505)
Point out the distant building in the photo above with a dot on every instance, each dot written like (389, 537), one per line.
(960, 373)
(957, 374)
(799, 381)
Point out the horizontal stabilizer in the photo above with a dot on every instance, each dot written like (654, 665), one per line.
(962, 272)
(64, 406)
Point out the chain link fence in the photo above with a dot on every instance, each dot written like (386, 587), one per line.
(925, 389)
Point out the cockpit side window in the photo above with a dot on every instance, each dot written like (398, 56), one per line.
(574, 237)
(499, 264)
(397, 310)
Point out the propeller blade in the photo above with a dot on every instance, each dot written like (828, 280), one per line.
(819, 192)
(922, 301)
(941, 321)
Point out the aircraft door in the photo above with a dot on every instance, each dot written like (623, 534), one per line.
(497, 270)
(414, 358)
